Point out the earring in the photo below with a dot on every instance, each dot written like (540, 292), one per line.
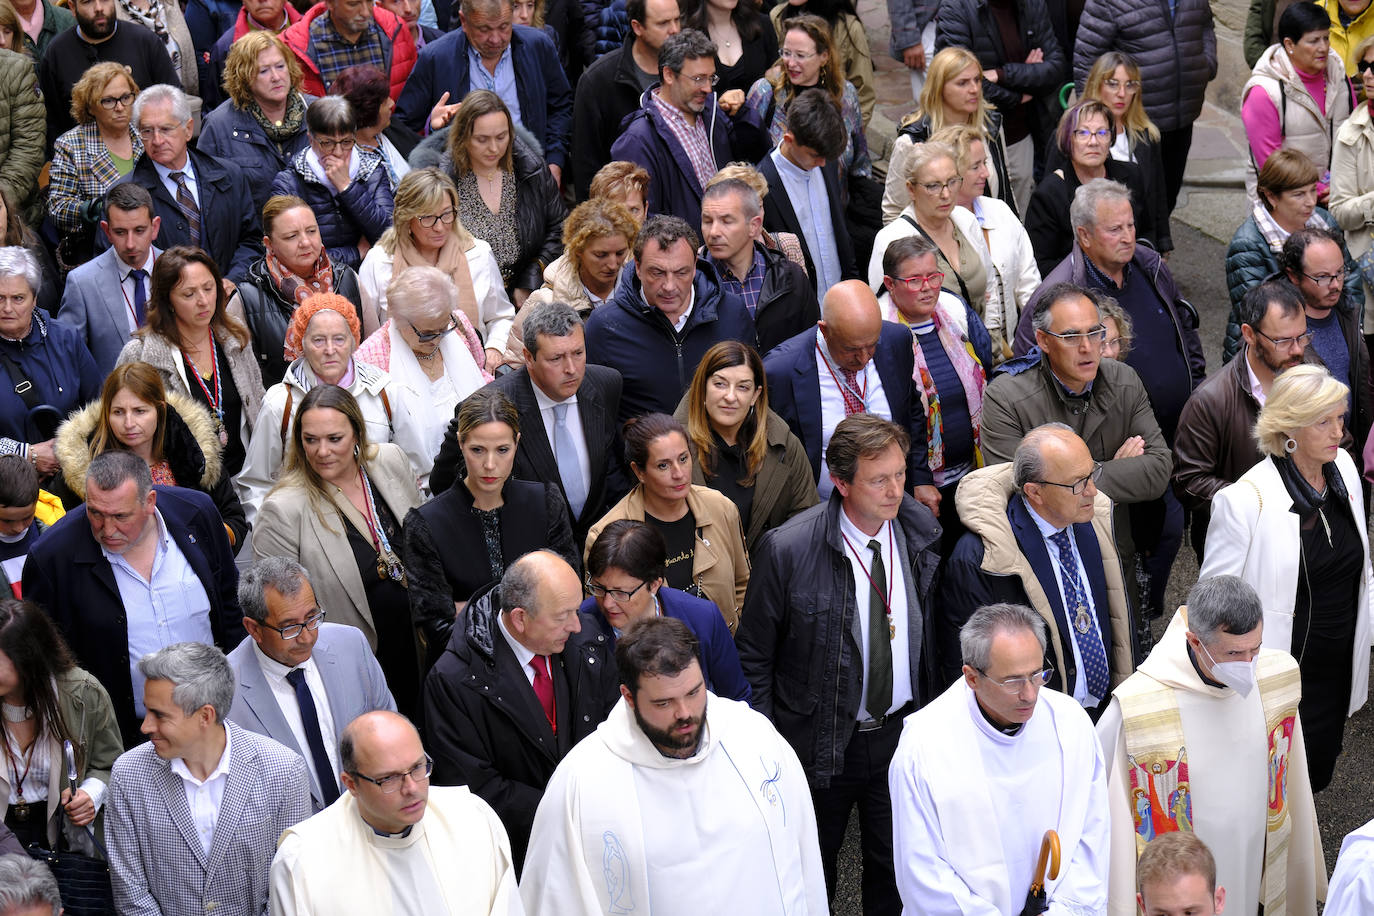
(357, 450)
(1290, 445)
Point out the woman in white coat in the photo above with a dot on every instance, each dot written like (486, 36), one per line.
(1352, 172)
(1293, 527)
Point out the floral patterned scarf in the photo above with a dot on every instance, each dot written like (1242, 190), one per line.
(290, 286)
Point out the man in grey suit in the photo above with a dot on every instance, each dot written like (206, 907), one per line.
(192, 817)
(105, 298)
(300, 680)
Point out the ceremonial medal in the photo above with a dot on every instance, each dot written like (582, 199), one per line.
(220, 429)
(20, 811)
(1081, 621)
(891, 628)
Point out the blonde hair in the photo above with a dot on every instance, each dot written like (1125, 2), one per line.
(86, 92)
(960, 138)
(1300, 397)
(943, 68)
(593, 219)
(620, 179)
(241, 66)
(924, 154)
(1134, 121)
(418, 194)
(741, 171)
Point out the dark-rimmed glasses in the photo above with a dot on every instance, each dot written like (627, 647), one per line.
(618, 595)
(391, 784)
(311, 622)
(427, 336)
(1078, 486)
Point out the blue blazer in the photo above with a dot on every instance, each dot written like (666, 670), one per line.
(719, 660)
(67, 574)
(794, 393)
(546, 99)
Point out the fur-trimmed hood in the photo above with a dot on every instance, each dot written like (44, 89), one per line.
(191, 446)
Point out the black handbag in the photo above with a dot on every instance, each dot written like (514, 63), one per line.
(82, 880)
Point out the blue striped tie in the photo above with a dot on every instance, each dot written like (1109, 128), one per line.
(1081, 618)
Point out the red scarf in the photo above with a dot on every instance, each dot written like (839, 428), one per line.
(321, 279)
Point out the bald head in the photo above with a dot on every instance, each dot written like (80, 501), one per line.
(382, 749)
(540, 594)
(1048, 463)
(371, 730)
(851, 323)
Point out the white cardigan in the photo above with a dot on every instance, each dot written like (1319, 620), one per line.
(1254, 535)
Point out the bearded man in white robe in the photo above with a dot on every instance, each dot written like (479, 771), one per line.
(983, 771)
(681, 803)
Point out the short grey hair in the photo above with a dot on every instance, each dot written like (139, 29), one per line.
(421, 292)
(283, 575)
(1083, 210)
(26, 883)
(520, 584)
(1028, 463)
(1223, 604)
(330, 115)
(111, 469)
(199, 674)
(749, 199)
(689, 44)
(163, 94)
(18, 261)
(975, 636)
(1049, 298)
(552, 319)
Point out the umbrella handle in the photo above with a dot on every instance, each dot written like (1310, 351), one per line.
(1049, 856)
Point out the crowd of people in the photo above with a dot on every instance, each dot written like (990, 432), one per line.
(453, 459)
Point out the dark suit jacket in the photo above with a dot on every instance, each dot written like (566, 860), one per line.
(966, 588)
(778, 216)
(230, 229)
(68, 575)
(794, 393)
(598, 404)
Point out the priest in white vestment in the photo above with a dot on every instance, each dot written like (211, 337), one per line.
(1352, 883)
(681, 803)
(391, 845)
(1205, 737)
(983, 771)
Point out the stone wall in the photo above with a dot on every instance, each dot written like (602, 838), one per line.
(1232, 72)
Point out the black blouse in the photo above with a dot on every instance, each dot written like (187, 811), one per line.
(230, 407)
(759, 54)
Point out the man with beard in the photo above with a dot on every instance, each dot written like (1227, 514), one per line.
(1214, 443)
(98, 37)
(675, 768)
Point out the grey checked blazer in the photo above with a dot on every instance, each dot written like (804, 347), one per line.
(353, 682)
(156, 860)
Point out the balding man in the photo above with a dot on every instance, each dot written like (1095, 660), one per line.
(1040, 534)
(393, 844)
(850, 362)
(524, 678)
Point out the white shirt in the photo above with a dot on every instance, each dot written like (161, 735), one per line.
(1080, 687)
(574, 421)
(681, 321)
(126, 283)
(1256, 389)
(275, 673)
(204, 797)
(170, 184)
(860, 560)
(832, 404)
(522, 655)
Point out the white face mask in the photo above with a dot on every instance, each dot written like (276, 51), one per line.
(14, 538)
(1239, 676)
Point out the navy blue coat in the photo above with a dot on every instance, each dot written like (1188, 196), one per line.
(546, 99)
(231, 230)
(231, 133)
(55, 359)
(362, 210)
(606, 27)
(656, 362)
(794, 393)
(67, 575)
(719, 660)
(965, 587)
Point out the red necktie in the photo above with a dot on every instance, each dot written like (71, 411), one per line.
(543, 688)
(853, 396)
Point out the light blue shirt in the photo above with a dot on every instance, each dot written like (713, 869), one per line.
(170, 607)
(1080, 687)
(170, 183)
(502, 82)
(806, 191)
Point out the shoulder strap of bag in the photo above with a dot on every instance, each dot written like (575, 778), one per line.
(286, 416)
(23, 386)
(962, 287)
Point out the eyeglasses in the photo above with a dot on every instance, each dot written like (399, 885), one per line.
(1115, 84)
(1114, 344)
(1077, 338)
(329, 146)
(149, 133)
(936, 188)
(111, 102)
(1015, 684)
(390, 785)
(700, 81)
(1078, 486)
(427, 336)
(1327, 279)
(800, 57)
(618, 595)
(1286, 343)
(1085, 135)
(916, 284)
(296, 629)
(447, 218)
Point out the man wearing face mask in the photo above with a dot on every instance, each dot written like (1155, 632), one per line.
(1205, 737)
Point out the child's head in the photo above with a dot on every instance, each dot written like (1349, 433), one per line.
(18, 496)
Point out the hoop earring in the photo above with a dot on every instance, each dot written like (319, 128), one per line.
(1290, 445)
(357, 450)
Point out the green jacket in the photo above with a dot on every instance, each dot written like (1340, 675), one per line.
(23, 132)
(55, 19)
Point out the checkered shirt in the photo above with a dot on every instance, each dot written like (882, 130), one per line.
(334, 54)
(693, 139)
(750, 286)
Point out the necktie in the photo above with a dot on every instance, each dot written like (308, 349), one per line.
(140, 294)
(188, 206)
(329, 781)
(569, 468)
(879, 638)
(543, 688)
(1082, 619)
(853, 400)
